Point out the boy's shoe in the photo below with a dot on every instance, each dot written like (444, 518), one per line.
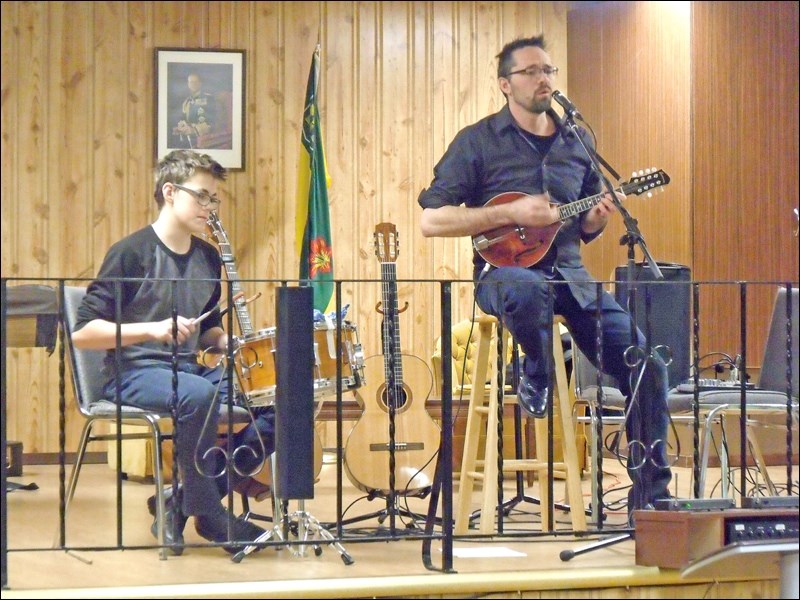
(174, 521)
(214, 528)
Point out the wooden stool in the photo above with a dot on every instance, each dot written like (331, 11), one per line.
(483, 413)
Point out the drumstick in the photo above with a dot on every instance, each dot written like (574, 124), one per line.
(215, 307)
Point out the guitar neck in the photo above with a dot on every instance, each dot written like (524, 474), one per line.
(240, 305)
(391, 326)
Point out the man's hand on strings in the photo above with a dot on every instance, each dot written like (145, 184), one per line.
(534, 210)
(597, 217)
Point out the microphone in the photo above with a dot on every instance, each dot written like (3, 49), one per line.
(569, 107)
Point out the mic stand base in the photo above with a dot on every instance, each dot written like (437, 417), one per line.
(566, 555)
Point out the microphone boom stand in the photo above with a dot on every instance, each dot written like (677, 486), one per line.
(632, 237)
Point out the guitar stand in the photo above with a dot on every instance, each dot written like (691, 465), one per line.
(392, 510)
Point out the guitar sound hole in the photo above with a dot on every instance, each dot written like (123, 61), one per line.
(400, 399)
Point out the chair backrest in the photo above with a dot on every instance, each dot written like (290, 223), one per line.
(584, 381)
(773, 366)
(586, 372)
(86, 365)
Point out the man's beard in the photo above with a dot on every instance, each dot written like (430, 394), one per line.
(540, 106)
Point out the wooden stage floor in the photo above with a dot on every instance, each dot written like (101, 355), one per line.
(498, 566)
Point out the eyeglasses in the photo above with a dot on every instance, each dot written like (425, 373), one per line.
(534, 71)
(204, 199)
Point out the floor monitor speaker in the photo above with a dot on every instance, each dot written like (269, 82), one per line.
(670, 308)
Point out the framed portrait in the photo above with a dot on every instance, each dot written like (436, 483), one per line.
(199, 103)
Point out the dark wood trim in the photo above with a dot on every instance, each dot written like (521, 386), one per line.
(51, 458)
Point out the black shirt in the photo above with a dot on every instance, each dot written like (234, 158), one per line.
(494, 156)
(147, 294)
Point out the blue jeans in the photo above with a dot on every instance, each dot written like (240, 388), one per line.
(525, 301)
(197, 415)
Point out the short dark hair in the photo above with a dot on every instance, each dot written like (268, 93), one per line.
(505, 63)
(179, 165)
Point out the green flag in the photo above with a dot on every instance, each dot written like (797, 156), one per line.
(313, 228)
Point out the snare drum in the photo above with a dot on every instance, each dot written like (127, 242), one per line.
(255, 362)
(255, 366)
(352, 358)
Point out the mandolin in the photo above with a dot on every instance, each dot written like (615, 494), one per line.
(516, 246)
(397, 384)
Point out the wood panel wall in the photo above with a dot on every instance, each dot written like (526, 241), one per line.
(398, 80)
(627, 58)
(744, 161)
(708, 92)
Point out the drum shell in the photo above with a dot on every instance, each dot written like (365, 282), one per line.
(255, 362)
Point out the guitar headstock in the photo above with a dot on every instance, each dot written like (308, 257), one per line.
(386, 244)
(216, 228)
(645, 182)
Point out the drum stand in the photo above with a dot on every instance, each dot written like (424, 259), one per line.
(301, 523)
(305, 526)
(308, 528)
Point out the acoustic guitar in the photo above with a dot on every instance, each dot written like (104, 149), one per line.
(396, 384)
(245, 325)
(516, 246)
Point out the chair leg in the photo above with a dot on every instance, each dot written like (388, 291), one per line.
(76, 468)
(76, 471)
(706, 449)
(568, 438)
(758, 457)
(475, 422)
(158, 476)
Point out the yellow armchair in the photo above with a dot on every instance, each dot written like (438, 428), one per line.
(464, 347)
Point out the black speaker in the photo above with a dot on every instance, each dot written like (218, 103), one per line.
(670, 308)
(294, 394)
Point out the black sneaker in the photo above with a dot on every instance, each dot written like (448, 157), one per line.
(214, 528)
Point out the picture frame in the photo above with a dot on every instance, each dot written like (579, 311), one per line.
(199, 100)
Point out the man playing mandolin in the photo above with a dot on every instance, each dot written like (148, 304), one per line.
(518, 169)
